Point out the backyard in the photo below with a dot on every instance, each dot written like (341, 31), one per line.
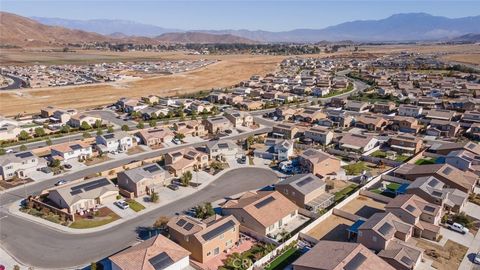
(356, 168)
(284, 260)
(425, 161)
(103, 216)
(340, 195)
(444, 258)
(384, 154)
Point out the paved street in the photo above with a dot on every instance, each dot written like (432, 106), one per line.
(47, 248)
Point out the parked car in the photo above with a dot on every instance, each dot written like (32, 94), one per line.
(61, 182)
(476, 259)
(67, 166)
(458, 228)
(228, 131)
(122, 204)
(173, 187)
(176, 141)
(8, 151)
(45, 170)
(243, 159)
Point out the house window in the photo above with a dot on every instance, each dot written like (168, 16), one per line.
(187, 239)
(216, 251)
(209, 253)
(292, 214)
(228, 243)
(222, 236)
(360, 233)
(374, 238)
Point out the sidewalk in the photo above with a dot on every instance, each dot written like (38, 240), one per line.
(14, 209)
(473, 248)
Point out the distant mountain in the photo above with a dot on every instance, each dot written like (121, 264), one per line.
(197, 37)
(107, 27)
(468, 38)
(18, 30)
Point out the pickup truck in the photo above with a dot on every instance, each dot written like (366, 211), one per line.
(458, 228)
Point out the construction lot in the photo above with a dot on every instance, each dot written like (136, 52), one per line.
(364, 206)
(333, 228)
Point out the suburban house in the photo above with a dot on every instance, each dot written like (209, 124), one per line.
(371, 122)
(77, 120)
(217, 148)
(263, 212)
(119, 141)
(217, 124)
(71, 150)
(285, 131)
(444, 149)
(434, 191)
(60, 115)
(464, 160)
(151, 99)
(386, 234)
(239, 118)
(186, 159)
(84, 195)
(471, 117)
(275, 149)
(158, 252)
(321, 135)
(153, 112)
(190, 128)
(446, 115)
(309, 115)
(384, 107)
(422, 215)
(143, 180)
(335, 255)
(449, 175)
(357, 106)
(443, 128)
(307, 191)
(318, 162)
(410, 110)
(17, 164)
(405, 124)
(155, 136)
(204, 239)
(405, 143)
(357, 142)
(285, 113)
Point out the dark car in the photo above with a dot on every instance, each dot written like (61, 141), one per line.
(173, 187)
(67, 166)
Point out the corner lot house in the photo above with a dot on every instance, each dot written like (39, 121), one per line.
(16, 164)
(321, 135)
(72, 150)
(143, 180)
(155, 136)
(357, 143)
(186, 159)
(204, 239)
(221, 148)
(118, 141)
(318, 162)
(334, 255)
(240, 118)
(77, 120)
(276, 149)
(264, 212)
(405, 144)
(84, 195)
(217, 124)
(155, 253)
(306, 191)
(285, 131)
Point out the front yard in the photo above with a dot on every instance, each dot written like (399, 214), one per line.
(356, 168)
(91, 220)
(444, 258)
(134, 205)
(96, 160)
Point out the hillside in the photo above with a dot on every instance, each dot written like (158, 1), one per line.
(197, 37)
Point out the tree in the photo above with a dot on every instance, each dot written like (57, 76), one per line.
(205, 111)
(140, 125)
(48, 142)
(193, 117)
(154, 197)
(65, 129)
(2, 151)
(85, 126)
(125, 128)
(86, 135)
(214, 110)
(23, 147)
(181, 114)
(161, 222)
(186, 178)
(98, 123)
(23, 136)
(179, 136)
(110, 129)
(55, 163)
(204, 211)
(153, 116)
(161, 115)
(40, 132)
(152, 123)
(99, 132)
(249, 141)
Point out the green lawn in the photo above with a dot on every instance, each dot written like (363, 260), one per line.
(425, 161)
(379, 154)
(339, 92)
(344, 192)
(92, 223)
(401, 158)
(355, 168)
(135, 206)
(284, 260)
(393, 186)
(378, 191)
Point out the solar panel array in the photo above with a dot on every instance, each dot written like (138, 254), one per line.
(152, 168)
(161, 261)
(433, 182)
(305, 181)
(89, 186)
(410, 208)
(264, 202)
(356, 262)
(76, 147)
(219, 230)
(222, 145)
(188, 226)
(385, 229)
(181, 222)
(437, 193)
(406, 260)
(109, 136)
(447, 170)
(24, 155)
(429, 209)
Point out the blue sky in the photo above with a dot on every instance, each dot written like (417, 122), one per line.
(228, 14)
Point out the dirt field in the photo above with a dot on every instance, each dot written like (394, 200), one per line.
(444, 258)
(364, 207)
(467, 58)
(332, 228)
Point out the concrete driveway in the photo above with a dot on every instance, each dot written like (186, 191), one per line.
(472, 210)
(123, 213)
(463, 239)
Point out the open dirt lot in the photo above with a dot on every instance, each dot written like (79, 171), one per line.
(364, 207)
(332, 228)
(444, 258)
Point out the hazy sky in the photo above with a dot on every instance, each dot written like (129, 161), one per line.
(266, 15)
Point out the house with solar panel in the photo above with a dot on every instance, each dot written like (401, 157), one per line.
(17, 164)
(119, 141)
(217, 124)
(221, 148)
(71, 150)
(307, 191)
(341, 255)
(264, 212)
(386, 234)
(84, 195)
(275, 149)
(143, 180)
(156, 253)
(434, 191)
(239, 119)
(204, 239)
(185, 159)
(422, 215)
(155, 136)
(77, 120)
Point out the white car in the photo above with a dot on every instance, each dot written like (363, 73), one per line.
(122, 204)
(458, 228)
